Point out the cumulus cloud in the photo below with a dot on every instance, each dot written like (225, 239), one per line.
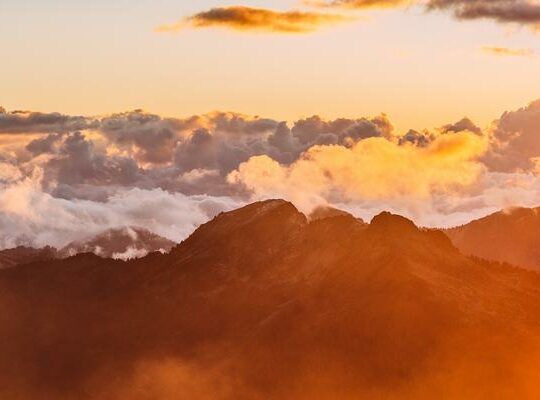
(462, 125)
(55, 185)
(516, 141)
(242, 18)
(507, 52)
(372, 169)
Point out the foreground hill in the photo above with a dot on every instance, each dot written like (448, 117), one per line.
(262, 303)
(511, 236)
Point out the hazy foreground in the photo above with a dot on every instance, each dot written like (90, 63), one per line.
(262, 303)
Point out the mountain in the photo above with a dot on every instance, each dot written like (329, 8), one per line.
(24, 255)
(120, 243)
(264, 303)
(323, 212)
(511, 236)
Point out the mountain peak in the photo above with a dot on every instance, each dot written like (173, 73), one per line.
(324, 212)
(275, 208)
(265, 222)
(387, 220)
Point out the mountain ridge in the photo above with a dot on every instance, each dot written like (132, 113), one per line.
(510, 236)
(276, 306)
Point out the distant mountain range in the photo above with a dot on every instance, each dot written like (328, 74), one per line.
(511, 236)
(25, 255)
(266, 303)
(120, 243)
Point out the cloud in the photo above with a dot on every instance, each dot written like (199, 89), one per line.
(242, 18)
(9, 173)
(505, 11)
(465, 124)
(445, 175)
(30, 216)
(516, 141)
(507, 52)
(359, 4)
(373, 169)
(36, 122)
(523, 12)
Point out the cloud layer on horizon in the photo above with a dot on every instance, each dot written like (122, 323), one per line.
(110, 171)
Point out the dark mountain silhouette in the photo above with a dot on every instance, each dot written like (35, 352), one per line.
(261, 303)
(25, 255)
(323, 212)
(511, 236)
(120, 243)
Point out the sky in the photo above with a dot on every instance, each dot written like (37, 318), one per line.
(421, 68)
(161, 114)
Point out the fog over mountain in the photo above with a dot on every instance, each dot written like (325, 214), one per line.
(261, 303)
(120, 244)
(123, 243)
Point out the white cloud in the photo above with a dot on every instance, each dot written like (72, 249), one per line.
(28, 215)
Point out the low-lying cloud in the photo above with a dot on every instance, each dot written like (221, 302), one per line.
(31, 217)
(172, 174)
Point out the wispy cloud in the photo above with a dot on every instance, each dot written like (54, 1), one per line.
(522, 12)
(358, 4)
(241, 18)
(525, 12)
(507, 52)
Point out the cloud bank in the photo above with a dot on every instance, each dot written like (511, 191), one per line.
(31, 217)
(59, 181)
(372, 169)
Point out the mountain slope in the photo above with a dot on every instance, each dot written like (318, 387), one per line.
(23, 255)
(511, 236)
(261, 303)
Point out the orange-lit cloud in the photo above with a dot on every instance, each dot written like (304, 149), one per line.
(242, 18)
(363, 165)
(372, 169)
(360, 4)
(507, 52)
